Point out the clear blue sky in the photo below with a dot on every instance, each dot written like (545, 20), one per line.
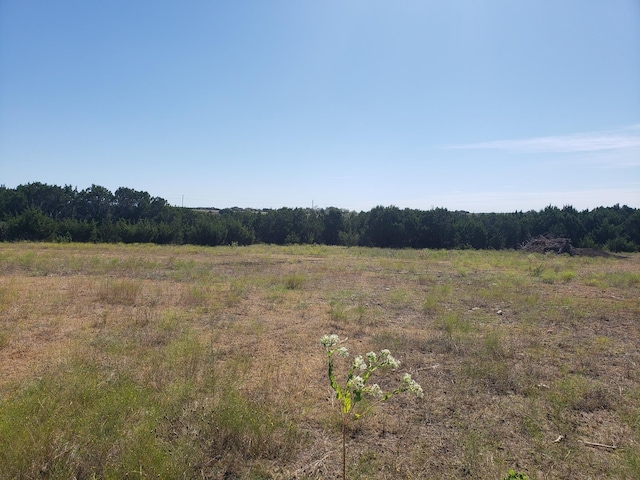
(485, 106)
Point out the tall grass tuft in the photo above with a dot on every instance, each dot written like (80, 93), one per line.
(119, 292)
(294, 281)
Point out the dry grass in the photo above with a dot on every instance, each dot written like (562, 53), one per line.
(139, 361)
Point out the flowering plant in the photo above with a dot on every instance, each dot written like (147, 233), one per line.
(358, 377)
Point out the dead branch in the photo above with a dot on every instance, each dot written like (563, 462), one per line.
(594, 444)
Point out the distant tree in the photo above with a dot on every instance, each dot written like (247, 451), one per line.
(573, 227)
(131, 204)
(37, 211)
(385, 227)
(160, 210)
(631, 228)
(238, 233)
(94, 203)
(416, 232)
(470, 232)
(439, 224)
(77, 230)
(204, 229)
(351, 229)
(332, 224)
(33, 225)
(14, 202)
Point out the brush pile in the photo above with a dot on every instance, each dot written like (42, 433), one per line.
(560, 245)
(546, 244)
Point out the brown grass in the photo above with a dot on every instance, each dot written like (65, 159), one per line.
(509, 361)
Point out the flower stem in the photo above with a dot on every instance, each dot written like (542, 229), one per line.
(344, 447)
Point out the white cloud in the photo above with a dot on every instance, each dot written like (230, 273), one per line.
(623, 138)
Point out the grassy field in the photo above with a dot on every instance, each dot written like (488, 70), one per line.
(185, 362)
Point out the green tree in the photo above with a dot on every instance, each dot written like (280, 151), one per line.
(32, 225)
(470, 232)
(131, 204)
(332, 224)
(94, 203)
(385, 227)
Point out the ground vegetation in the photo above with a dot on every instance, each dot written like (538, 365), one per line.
(157, 361)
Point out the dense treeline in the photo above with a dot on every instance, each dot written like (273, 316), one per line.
(39, 211)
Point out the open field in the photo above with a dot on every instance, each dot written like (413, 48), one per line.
(143, 361)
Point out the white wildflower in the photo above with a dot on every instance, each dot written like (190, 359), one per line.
(356, 382)
(388, 360)
(417, 389)
(359, 363)
(342, 351)
(393, 363)
(372, 357)
(374, 390)
(412, 386)
(328, 341)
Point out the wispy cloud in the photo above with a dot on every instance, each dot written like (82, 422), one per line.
(624, 138)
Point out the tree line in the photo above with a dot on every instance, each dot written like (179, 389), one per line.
(41, 212)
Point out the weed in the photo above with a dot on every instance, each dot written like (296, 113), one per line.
(536, 271)
(430, 305)
(453, 324)
(197, 295)
(496, 376)
(353, 390)
(119, 292)
(577, 393)
(495, 346)
(294, 281)
(549, 278)
(399, 298)
(436, 298)
(567, 276)
(360, 311)
(235, 293)
(513, 475)
(337, 311)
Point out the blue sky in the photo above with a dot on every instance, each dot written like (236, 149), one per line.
(485, 106)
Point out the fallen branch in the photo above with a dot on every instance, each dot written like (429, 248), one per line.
(560, 437)
(594, 444)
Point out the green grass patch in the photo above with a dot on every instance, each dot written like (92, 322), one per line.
(82, 422)
(88, 419)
